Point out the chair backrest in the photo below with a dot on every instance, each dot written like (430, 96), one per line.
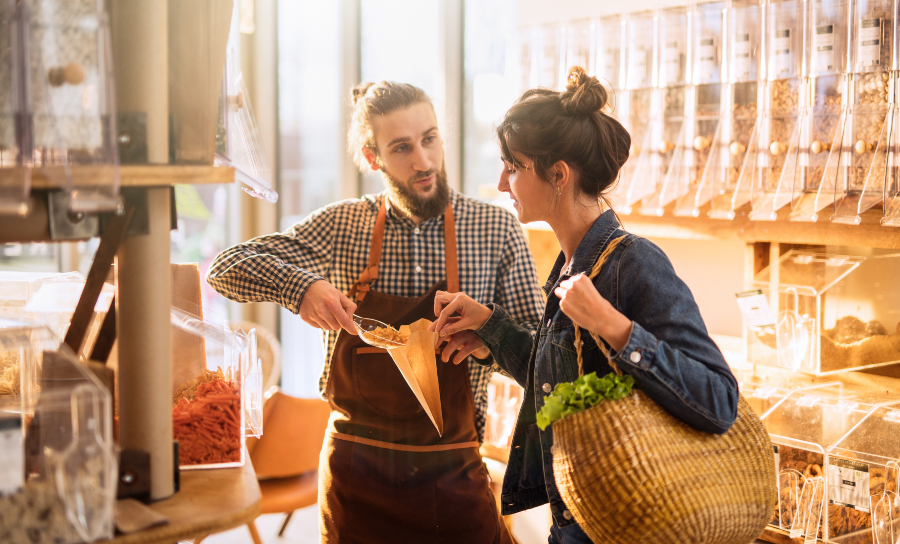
(293, 432)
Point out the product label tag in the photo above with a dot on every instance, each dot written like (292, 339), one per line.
(12, 452)
(741, 62)
(781, 53)
(708, 67)
(869, 43)
(823, 45)
(848, 482)
(755, 308)
(673, 62)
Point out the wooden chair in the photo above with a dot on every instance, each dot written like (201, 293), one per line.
(286, 456)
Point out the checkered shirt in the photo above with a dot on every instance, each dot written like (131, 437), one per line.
(333, 244)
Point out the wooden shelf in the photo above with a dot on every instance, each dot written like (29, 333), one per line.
(130, 175)
(210, 501)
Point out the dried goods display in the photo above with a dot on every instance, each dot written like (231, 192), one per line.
(218, 401)
(866, 139)
(830, 331)
(9, 374)
(607, 57)
(732, 164)
(206, 420)
(385, 336)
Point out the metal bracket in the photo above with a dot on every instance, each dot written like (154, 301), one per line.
(132, 137)
(66, 225)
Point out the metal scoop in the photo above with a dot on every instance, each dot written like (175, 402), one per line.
(367, 325)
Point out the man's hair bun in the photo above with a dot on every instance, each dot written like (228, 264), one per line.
(584, 94)
(359, 91)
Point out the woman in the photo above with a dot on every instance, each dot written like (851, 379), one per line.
(562, 155)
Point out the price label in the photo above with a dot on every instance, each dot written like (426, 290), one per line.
(848, 482)
(869, 43)
(673, 58)
(708, 65)
(781, 53)
(741, 62)
(823, 45)
(755, 308)
(12, 451)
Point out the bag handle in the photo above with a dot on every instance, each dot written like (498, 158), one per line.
(579, 344)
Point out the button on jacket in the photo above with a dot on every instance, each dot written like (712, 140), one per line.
(669, 353)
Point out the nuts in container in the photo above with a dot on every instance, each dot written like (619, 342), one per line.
(784, 100)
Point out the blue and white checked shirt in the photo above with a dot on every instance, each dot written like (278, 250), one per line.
(333, 244)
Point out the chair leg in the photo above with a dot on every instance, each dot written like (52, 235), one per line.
(254, 534)
(284, 525)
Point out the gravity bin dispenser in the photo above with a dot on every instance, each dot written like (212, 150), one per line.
(667, 110)
(827, 313)
(728, 179)
(636, 108)
(778, 146)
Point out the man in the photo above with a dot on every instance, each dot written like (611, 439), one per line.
(385, 474)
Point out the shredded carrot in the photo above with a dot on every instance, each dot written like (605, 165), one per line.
(206, 421)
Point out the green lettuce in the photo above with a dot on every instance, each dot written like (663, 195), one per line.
(587, 391)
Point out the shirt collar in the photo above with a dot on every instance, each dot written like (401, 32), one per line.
(588, 250)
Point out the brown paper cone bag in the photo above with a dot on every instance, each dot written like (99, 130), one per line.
(418, 365)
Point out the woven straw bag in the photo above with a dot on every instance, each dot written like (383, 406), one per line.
(631, 472)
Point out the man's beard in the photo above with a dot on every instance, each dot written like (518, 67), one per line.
(411, 202)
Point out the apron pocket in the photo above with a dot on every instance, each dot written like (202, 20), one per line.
(381, 385)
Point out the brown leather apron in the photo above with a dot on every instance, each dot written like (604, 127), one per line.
(385, 475)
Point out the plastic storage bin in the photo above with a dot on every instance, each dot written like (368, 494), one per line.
(217, 401)
(802, 425)
(68, 478)
(504, 400)
(831, 313)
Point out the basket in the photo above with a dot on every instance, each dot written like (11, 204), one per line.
(631, 472)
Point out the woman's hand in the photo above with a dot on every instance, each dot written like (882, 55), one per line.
(579, 299)
(457, 316)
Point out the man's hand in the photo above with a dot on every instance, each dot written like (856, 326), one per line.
(458, 314)
(324, 307)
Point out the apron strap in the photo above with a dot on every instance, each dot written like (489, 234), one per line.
(450, 251)
(370, 274)
(402, 447)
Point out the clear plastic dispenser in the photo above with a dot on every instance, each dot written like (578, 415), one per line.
(667, 111)
(868, 126)
(779, 140)
(608, 57)
(29, 136)
(72, 90)
(217, 388)
(635, 110)
(825, 115)
(892, 182)
(242, 139)
(541, 52)
(802, 425)
(861, 470)
(729, 176)
(702, 124)
(832, 313)
(70, 467)
(504, 400)
(580, 36)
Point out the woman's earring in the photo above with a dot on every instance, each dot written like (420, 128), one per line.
(558, 190)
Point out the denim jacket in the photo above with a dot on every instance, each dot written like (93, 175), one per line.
(669, 353)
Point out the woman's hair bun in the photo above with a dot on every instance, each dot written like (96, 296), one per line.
(359, 91)
(584, 94)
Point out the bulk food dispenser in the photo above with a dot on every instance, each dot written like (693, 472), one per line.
(541, 55)
(802, 426)
(579, 43)
(703, 104)
(825, 117)
(634, 109)
(59, 471)
(868, 127)
(57, 83)
(728, 179)
(828, 313)
(780, 126)
(667, 109)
